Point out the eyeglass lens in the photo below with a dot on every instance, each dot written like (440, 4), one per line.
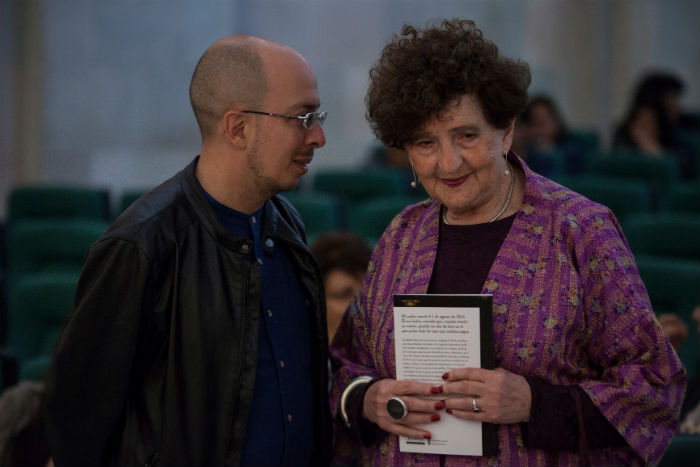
(313, 118)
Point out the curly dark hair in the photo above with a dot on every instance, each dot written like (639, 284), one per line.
(422, 71)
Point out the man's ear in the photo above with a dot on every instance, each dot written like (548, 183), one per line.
(235, 128)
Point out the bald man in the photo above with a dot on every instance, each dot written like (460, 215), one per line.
(198, 335)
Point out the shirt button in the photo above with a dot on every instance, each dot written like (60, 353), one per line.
(289, 418)
(269, 243)
(269, 313)
(281, 363)
(260, 260)
(245, 248)
(253, 220)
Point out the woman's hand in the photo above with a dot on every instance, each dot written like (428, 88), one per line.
(502, 396)
(419, 410)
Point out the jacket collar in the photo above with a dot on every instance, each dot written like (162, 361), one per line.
(275, 225)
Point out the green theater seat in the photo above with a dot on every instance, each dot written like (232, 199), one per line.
(675, 235)
(371, 218)
(354, 186)
(623, 196)
(40, 306)
(50, 244)
(320, 212)
(674, 287)
(41, 202)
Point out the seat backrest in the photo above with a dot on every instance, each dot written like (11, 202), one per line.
(587, 140)
(42, 202)
(371, 218)
(320, 212)
(39, 307)
(683, 197)
(682, 450)
(623, 196)
(360, 185)
(50, 245)
(674, 287)
(665, 234)
(657, 172)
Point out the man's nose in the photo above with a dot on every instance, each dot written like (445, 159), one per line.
(316, 137)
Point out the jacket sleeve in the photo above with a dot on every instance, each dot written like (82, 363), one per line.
(89, 378)
(642, 380)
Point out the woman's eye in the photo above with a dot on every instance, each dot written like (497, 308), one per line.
(468, 135)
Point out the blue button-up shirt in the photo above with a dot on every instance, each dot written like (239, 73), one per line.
(280, 426)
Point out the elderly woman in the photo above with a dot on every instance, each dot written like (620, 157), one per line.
(584, 373)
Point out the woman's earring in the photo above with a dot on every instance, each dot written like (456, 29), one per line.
(507, 171)
(414, 183)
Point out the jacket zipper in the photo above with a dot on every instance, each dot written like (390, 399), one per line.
(246, 275)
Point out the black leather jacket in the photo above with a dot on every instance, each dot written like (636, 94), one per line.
(157, 364)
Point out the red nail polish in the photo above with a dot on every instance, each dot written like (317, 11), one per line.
(446, 375)
(440, 390)
(448, 410)
(435, 417)
(439, 405)
(427, 436)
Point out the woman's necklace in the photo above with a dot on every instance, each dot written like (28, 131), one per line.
(503, 209)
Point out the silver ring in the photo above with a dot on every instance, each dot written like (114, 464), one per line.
(397, 408)
(475, 408)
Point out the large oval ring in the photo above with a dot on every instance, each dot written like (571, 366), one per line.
(397, 408)
(475, 408)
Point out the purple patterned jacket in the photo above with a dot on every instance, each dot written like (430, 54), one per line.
(568, 306)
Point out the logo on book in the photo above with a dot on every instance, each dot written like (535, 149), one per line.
(410, 302)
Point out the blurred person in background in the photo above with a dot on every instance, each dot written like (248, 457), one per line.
(653, 123)
(541, 139)
(198, 335)
(641, 131)
(343, 259)
(584, 373)
(663, 91)
(674, 328)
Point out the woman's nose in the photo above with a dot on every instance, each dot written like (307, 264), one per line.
(449, 158)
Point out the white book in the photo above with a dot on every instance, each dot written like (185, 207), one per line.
(432, 335)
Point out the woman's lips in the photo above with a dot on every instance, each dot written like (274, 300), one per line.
(454, 182)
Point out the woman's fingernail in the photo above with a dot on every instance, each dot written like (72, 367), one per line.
(439, 405)
(427, 436)
(448, 410)
(446, 375)
(435, 417)
(435, 390)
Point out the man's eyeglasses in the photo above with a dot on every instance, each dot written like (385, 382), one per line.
(309, 120)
